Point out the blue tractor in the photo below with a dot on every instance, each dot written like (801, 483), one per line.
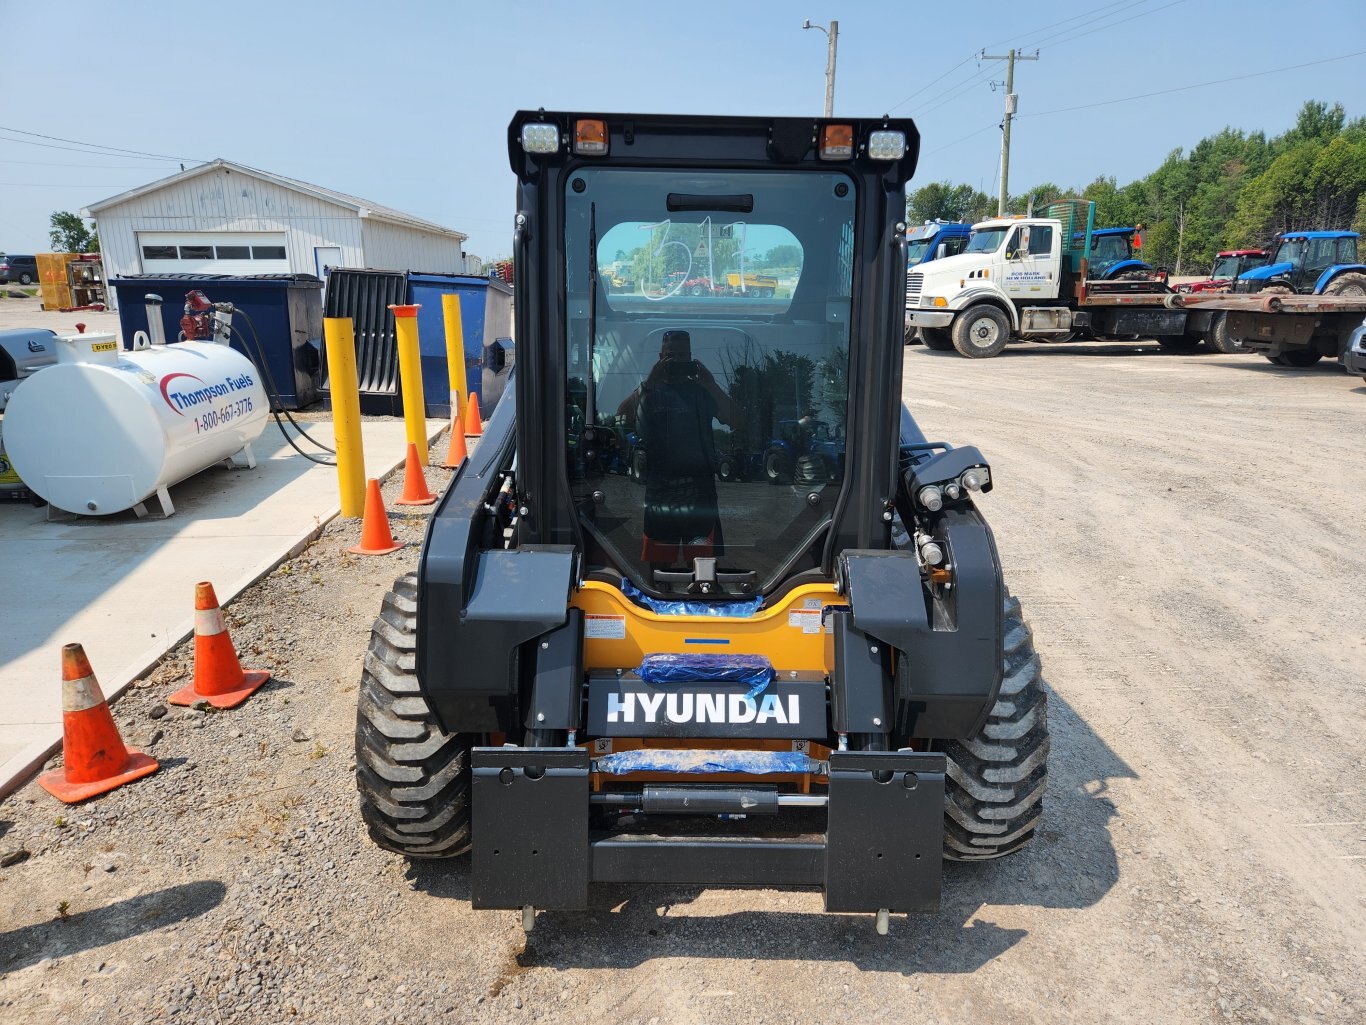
(1112, 255)
(1309, 263)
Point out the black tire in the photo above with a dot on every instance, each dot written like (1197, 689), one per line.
(980, 332)
(725, 468)
(413, 778)
(1178, 344)
(1300, 358)
(638, 464)
(1350, 283)
(1220, 340)
(26, 278)
(994, 786)
(936, 338)
(778, 466)
(697, 290)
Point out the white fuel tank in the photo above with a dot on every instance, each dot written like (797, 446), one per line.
(103, 429)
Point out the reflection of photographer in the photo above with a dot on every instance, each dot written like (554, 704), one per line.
(673, 409)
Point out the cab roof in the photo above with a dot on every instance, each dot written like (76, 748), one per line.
(1242, 252)
(1077, 236)
(1318, 234)
(689, 140)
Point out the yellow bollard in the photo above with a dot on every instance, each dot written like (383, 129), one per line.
(410, 378)
(341, 372)
(455, 355)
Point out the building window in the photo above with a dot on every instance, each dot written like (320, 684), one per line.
(196, 252)
(234, 252)
(267, 252)
(158, 252)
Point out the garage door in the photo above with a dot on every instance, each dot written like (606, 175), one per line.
(213, 252)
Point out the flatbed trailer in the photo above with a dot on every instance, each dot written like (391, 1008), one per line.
(1289, 330)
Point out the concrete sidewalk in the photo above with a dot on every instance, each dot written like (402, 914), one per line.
(124, 588)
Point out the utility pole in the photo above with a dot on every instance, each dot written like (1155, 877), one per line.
(1011, 103)
(833, 35)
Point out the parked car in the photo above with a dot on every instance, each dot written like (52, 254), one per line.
(1354, 357)
(23, 269)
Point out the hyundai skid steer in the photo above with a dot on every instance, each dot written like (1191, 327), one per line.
(705, 606)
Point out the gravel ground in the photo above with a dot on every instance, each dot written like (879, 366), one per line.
(1175, 528)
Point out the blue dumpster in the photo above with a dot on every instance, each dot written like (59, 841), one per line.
(285, 309)
(485, 315)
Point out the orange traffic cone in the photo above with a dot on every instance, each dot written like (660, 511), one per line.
(218, 676)
(414, 482)
(474, 424)
(457, 452)
(375, 536)
(94, 756)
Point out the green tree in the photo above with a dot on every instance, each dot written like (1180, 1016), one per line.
(70, 235)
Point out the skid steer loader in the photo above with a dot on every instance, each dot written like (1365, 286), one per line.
(678, 675)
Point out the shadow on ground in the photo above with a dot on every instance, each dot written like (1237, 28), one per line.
(97, 927)
(1071, 865)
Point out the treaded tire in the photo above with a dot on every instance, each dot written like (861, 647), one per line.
(414, 779)
(936, 338)
(1351, 283)
(994, 786)
(1220, 340)
(980, 332)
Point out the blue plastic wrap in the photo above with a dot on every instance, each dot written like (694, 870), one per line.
(754, 671)
(755, 763)
(729, 609)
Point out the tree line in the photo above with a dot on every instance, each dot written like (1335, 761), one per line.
(1232, 190)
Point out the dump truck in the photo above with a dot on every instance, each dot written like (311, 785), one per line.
(821, 681)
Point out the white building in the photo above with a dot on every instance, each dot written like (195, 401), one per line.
(224, 218)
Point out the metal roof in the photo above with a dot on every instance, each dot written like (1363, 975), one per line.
(363, 207)
(1318, 234)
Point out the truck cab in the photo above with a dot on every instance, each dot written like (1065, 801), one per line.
(1309, 263)
(934, 240)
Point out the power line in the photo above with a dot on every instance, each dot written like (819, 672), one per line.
(941, 78)
(949, 145)
(108, 150)
(54, 185)
(91, 167)
(1197, 85)
(1025, 42)
(1055, 41)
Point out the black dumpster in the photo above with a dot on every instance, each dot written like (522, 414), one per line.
(285, 309)
(365, 297)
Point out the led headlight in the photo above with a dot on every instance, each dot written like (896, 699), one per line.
(886, 145)
(540, 138)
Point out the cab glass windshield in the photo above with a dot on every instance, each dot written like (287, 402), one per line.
(987, 240)
(707, 353)
(917, 251)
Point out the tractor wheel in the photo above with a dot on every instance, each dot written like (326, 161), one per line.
(777, 467)
(994, 786)
(697, 290)
(414, 779)
(980, 332)
(1298, 358)
(1350, 283)
(725, 468)
(638, 465)
(1220, 340)
(936, 338)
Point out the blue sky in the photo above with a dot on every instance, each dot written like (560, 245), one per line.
(407, 103)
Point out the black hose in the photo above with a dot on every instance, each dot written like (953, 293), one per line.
(277, 405)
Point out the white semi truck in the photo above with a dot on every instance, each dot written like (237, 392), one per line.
(1027, 278)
